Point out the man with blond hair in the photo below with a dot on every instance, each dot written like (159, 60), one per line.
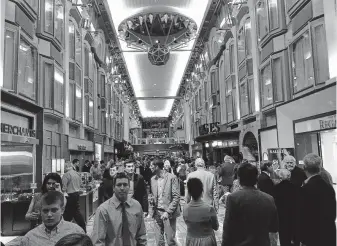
(207, 178)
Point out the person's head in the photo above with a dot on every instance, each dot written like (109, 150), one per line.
(312, 164)
(152, 166)
(121, 186)
(101, 162)
(50, 182)
(75, 239)
(195, 188)
(87, 163)
(247, 174)
(199, 163)
(113, 171)
(96, 163)
(167, 166)
(76, 162)
(68, 166)
(129, 166)
(229, 159)
(267, 166)
(284, 174)
(158, 166)
(120, 166)
(289, 162)
(52, 208)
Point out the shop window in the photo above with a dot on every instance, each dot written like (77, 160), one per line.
(205, 91)
(272, 81)
(241, 45)
(103, 122)
(78, 104)
(89, 81)
(268, 17)
(230, 84)
(53, 86)
(17, 170)
(52, 21)
(19, 59)
(102, 84)
(244, 109)
(27, 59)
(75, 72)
(9, 57)
(309, 57)
(302, 63)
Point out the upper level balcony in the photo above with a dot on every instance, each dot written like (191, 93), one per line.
(160, 140)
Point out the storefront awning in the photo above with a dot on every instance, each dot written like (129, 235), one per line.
(229, 135)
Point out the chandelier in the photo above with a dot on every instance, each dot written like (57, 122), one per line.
(157, 34)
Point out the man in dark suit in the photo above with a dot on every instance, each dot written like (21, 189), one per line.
(297, 174)
(317, 211)
(264, 182)
(138, 189)
(250, 214)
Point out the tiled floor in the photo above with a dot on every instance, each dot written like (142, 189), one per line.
(181, 229)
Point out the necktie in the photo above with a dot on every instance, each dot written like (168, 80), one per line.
(125, 227)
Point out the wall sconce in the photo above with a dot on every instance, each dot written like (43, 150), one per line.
(206, 145)
(214, 144)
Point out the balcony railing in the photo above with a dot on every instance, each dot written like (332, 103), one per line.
(160, 140)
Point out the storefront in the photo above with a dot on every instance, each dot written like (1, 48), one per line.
(318, 135)
(217, 144)
(98, 141)
(19, 165)
(108, 153)
(81, 149)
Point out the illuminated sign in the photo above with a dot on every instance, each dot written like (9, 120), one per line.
(17, 130)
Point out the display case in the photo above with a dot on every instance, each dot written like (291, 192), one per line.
(17, 179)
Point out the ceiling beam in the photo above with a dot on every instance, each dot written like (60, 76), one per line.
(156, 98)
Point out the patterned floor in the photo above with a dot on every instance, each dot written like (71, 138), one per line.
(181, 228)
(180, 236)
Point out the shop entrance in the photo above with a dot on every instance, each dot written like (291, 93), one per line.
(250, 147)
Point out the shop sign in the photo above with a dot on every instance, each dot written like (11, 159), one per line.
(17, 130)
(81, 147)
(276, 156)
(209, 128)
(318, 124)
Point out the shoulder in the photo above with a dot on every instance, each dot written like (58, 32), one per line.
(72, 227)
(134, 204)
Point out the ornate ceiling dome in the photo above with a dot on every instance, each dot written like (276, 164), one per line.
(157, 34)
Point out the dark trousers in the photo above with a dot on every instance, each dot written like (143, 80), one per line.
(72, 210)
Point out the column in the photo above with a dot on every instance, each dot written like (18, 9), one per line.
(187, 117)
(126, 123)
(255, 53)
(330, 18)
(2, 38)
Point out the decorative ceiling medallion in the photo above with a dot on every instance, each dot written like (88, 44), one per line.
(157, 34)
(158, 55)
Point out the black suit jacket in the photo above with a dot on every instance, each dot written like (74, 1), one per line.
(250, 216)
(297, 176)
(265, 184)
(317, 213)
(140, 191)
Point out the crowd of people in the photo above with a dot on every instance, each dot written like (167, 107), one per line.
(298, 205)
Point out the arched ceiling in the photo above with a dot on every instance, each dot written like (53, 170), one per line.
(147, 80)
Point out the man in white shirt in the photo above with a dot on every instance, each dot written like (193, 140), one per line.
(207, 178)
